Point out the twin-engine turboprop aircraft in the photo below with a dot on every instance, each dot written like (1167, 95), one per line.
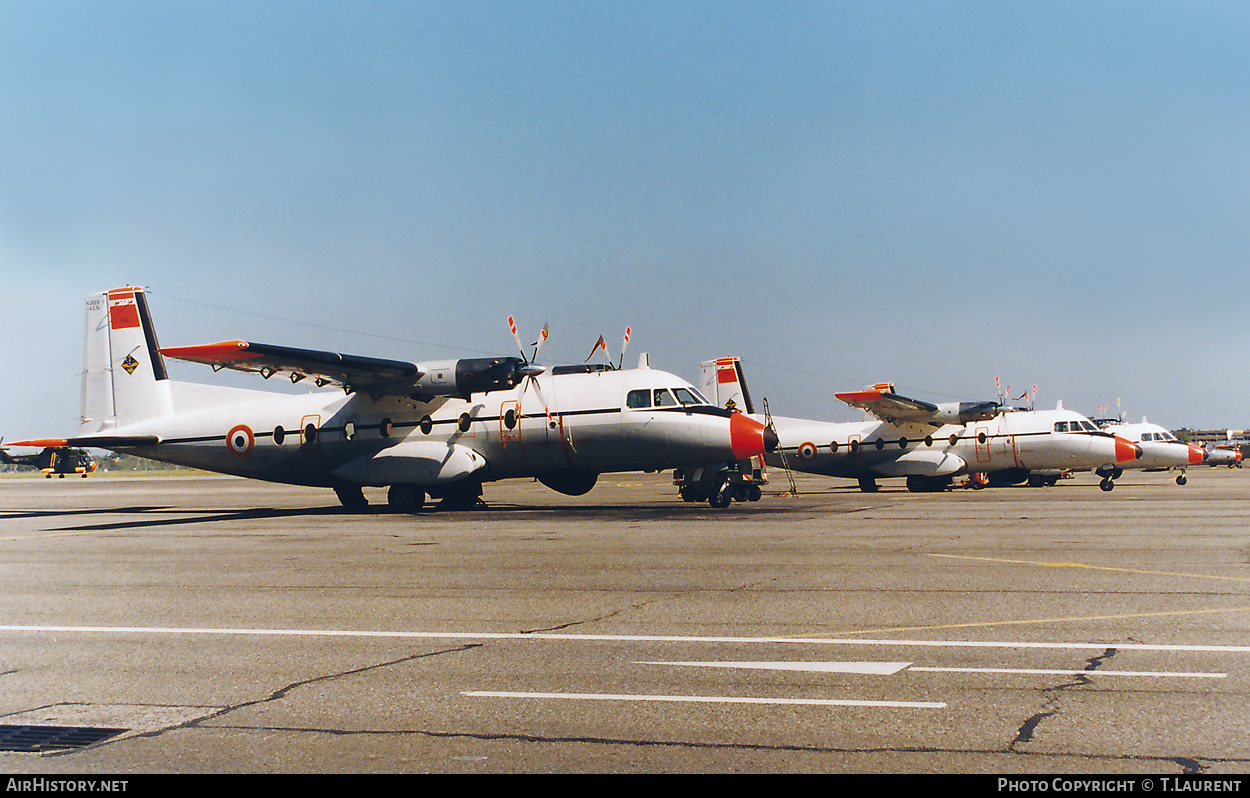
(439, 429)
(1161, 451)
(929, 444)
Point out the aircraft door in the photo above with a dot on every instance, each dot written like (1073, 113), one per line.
(510, 430)
(982, 440)
(309, 429)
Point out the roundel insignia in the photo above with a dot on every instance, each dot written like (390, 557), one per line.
(240, 440)
(807, 451)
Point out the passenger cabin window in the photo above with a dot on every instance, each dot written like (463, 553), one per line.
(638, 399)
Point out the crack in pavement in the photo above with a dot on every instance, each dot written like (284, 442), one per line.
(1050, 707)
(282, 692)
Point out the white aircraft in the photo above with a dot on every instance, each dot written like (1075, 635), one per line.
(929, 444)
(1224, 455)
(1161, 451)
(440, 428)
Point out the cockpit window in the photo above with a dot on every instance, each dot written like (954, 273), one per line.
(687, 396)
(663, 398)
(638, 399)
(1061, 426)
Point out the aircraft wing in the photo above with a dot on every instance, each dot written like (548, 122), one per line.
(353, 372)
(422, 381)
(882, 402)
(885, 404)
(93, 441)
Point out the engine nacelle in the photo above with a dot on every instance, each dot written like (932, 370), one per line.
(966, 412)
(472, 375)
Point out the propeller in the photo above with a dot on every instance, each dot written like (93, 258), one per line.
(602, 344)
(530, 371)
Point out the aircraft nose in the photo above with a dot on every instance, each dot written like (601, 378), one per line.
(771, 441)
(1126, 450)
(1196, 454)
(748, 437)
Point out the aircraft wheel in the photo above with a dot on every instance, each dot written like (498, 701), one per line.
(1181, 479)
(405, 498)
(1106, 484)
(754, 493)
(722, 498)
(351, 496)
(686, 493)
(868, 485)
(461, 496)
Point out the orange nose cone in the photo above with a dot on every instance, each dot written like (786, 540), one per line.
(1125, 450)
(746, 436)
(1196, 454)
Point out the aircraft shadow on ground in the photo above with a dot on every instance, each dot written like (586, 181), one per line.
(170, 516)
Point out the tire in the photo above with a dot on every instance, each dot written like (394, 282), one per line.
(405, 498)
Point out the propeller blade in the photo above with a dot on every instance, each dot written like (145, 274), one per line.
(624, 346)
(538, 345)
(515, 337)
(600, 344)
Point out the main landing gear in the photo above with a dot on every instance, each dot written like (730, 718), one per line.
(405, 498)
(720, 487)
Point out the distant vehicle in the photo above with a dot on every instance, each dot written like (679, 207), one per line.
(54, 460)
(1161, 451)
(439, 428)
(929, 444)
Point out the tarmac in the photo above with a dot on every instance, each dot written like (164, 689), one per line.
(215, 625)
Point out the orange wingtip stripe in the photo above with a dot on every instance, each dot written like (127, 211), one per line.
(859, 396)
(220, 352)
(41, 443)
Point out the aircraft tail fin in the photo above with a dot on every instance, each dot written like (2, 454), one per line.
(124, 378)
(724, 382)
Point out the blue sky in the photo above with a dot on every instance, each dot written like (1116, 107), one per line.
(932, 193)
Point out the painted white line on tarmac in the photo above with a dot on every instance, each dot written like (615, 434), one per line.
(870, 668)
(617, 638)
(712, 699)
(1169, 674)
